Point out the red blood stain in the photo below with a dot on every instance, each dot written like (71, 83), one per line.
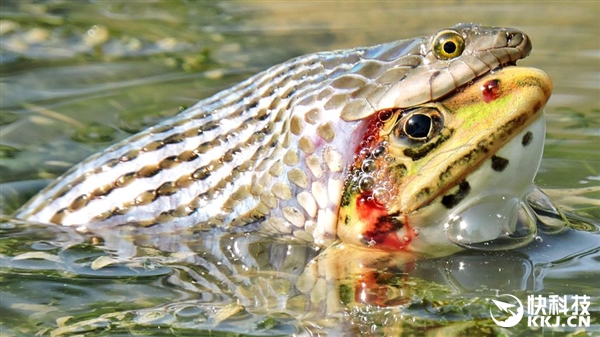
(490, 90)
(368, 210)
(371, 135)
(381, 231)
(391, 241)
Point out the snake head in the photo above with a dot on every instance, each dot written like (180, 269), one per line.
(430, 68)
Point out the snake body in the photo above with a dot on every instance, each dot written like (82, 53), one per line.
(273, 151)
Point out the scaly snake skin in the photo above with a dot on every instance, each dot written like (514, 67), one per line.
(272, 151)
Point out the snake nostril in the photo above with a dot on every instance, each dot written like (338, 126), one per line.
(513, 38)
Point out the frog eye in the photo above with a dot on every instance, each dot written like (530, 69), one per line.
(448, 44)
(418, 125)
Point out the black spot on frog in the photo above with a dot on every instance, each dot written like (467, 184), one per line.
(527, 138)
(499, 163)
(451, 200)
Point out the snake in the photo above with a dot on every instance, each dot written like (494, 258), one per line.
(278, 152)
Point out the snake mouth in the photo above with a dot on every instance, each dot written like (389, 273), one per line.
(500, 67)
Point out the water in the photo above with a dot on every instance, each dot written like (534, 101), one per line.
(77, 77)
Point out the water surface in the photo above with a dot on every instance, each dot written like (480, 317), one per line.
(77, 77)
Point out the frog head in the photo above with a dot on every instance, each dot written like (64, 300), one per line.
(455, 172)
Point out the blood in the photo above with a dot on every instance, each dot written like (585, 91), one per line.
(381, 230)
(490, 90)
(368, 210)
(371, 136)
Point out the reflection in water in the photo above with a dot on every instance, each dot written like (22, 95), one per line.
(256, 284)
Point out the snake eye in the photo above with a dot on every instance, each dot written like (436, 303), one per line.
(448, 44)
(419, 125)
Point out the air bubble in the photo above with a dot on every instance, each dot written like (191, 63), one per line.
(384, 116)
(379, 151)
(366, 183)
(368, 166)
(381, 196)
